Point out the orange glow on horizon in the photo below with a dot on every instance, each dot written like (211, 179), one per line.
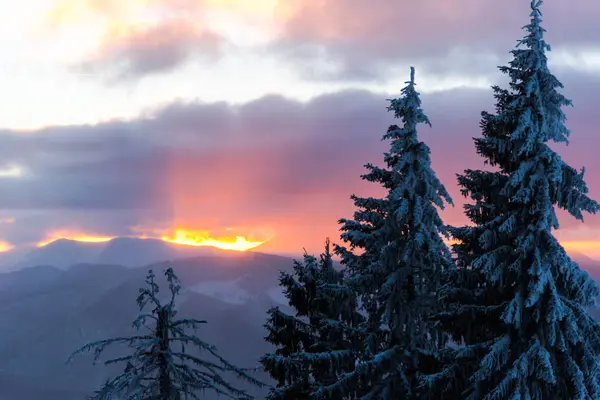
(240, 241)
(191, 238)
(589, 248)
(180, 236)
(5, 246)
(75, 236)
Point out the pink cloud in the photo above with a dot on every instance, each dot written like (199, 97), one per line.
(133, 52)
(272, 165)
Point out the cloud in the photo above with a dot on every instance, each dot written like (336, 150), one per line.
(133, 52)
(273, 164)
(325, 40)
(331, 41)
(129, 40)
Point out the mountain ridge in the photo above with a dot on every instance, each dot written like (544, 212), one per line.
(48, 311)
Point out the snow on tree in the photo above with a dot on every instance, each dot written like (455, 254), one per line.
(395, 262)
(160, 367)
(325, 311)
(519, 302)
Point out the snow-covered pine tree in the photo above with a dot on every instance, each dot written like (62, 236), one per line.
(325, 312)
(395, 262)
(160, 367)
(520, 303)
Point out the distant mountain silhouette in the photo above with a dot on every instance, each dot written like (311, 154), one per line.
(61, 254)
(134, 252)
(129, 252)
(48, 312)
(73, 292)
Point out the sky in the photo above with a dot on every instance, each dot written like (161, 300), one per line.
(254, 118)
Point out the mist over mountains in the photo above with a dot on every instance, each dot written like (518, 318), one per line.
(51, 309)
(58, 297)
(125, 251)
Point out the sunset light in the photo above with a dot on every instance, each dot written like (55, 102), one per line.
(5, 246)
(167, 160)
(76, 236)
(190, 238)
(589, 248)
(180, 236)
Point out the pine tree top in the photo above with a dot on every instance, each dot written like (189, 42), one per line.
(407, 107)
(398, 274)
(519, 300)
(161, 365)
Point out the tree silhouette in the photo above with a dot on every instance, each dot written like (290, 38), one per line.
(157, 370)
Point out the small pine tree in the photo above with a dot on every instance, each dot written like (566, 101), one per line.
(160, 368)
(518, 302)
(398, 270)
(325, 311)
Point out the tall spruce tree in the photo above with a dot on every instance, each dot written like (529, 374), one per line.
(519, 302)
(395, 261)
(325, 311)
(160, 366)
